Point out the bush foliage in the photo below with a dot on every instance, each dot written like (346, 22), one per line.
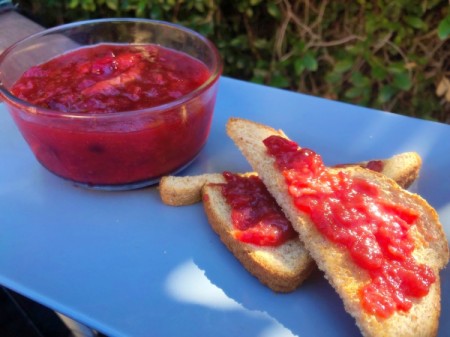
(392, 55)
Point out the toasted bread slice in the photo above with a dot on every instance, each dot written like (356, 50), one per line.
(186, 190)
(282, 268)
(431, 247)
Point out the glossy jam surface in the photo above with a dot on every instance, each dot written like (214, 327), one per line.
(256, 217)
(111, 78)
(101, 81)
(352, 213)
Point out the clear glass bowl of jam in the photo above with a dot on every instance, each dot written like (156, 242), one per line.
(112, 104)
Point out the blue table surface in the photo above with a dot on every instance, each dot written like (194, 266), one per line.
(127, 265)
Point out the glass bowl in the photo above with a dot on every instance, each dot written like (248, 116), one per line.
(113, 150)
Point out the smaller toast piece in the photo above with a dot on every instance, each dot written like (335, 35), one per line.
(186, 190)
(347, 278)
(282, 268)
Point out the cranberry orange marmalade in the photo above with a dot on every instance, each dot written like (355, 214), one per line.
(109, 78)
(255, 215)
(350, 212)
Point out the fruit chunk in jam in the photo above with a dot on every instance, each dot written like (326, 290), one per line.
(255, 215)
(352, 213)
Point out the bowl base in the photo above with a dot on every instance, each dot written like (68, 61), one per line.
(120, 187)
(128, 186)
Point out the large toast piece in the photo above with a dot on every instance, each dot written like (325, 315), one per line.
(186, 190)
(431, 247)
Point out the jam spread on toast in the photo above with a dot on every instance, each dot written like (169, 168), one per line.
(256, 217)
(352, 213)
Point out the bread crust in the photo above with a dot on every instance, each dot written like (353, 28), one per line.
(341, 272)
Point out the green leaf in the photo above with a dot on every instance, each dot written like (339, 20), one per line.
(279, 81)
(112, 4)
(261, 43)
(353, 92)
(200, 6)
(255, 2)
(298, 66)
(402, 81)
(298, 46)
(273, 10)
(371, 23)
(343, 65)
(415, 22)
(156, 12)
(333, 77)
(239, 41)
(257, 79)
(378, 73)
(310, 62)
(357, 48)
(386, 93)
(74, 4)
(359, 80)
(140, 9)
(444, 28)
(88, 5)
(396, 68)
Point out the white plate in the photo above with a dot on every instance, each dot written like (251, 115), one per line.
(127, 265)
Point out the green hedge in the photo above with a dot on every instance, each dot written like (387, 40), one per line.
(387, 54)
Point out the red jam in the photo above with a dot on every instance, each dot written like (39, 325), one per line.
(352, 213)
(375, 165)
(111, 78)
(256, 217)
(102, 81)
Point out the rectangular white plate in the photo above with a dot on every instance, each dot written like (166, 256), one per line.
(127, 265)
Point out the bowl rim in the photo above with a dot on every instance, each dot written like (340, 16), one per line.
(37, 110)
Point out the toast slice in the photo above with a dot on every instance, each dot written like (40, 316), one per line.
(282, 267)
(347, 278)
(186, 190)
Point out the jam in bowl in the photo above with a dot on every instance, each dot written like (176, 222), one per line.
(113, 103)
